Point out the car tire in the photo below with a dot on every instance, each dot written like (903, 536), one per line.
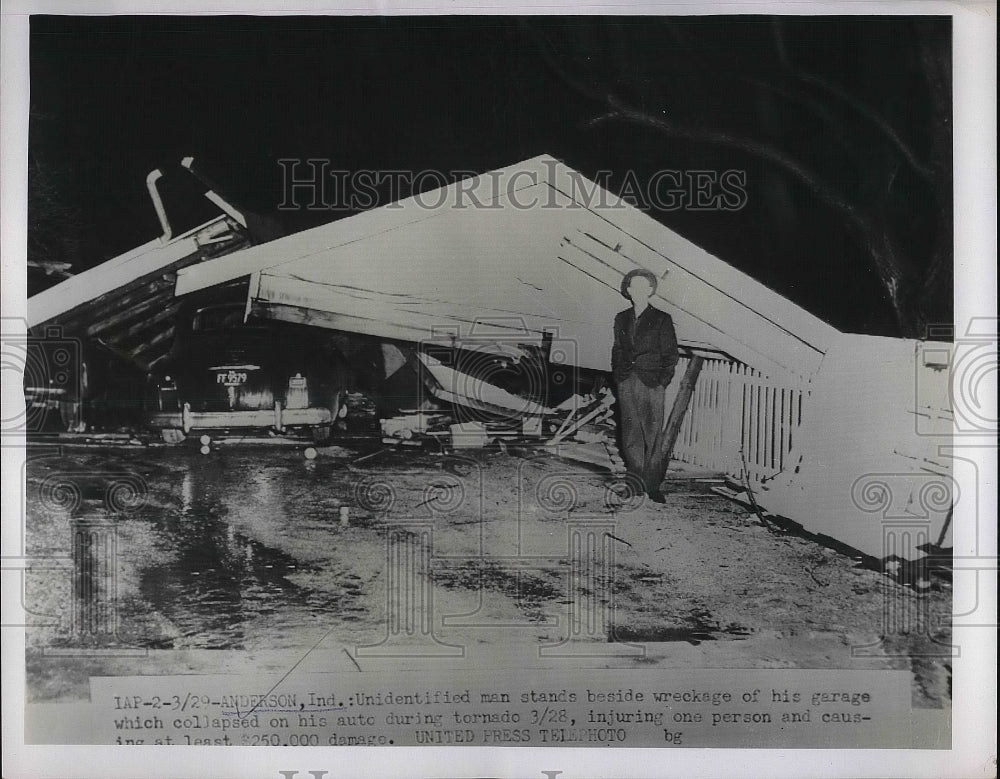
(338, 407)
(172, 436)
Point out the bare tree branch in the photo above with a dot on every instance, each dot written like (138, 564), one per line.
(895, 276)
(861, 108)
(53, 224)
(868, 113)
(936, 65)
(874, 233)
(778, 36)
(552, 61)
(818, 109)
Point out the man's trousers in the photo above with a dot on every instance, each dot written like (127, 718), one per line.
(641, 410)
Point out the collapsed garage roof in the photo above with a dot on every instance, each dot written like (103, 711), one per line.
(536, 248)
(533, 246)
(128, 302)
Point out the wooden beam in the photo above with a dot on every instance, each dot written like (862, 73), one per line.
(161, 337)
(123, 354)
(681, 403)
(568, 430)
(129, 293)
(147, 356)
(168, 312)
(156, 301)
(105, 305)
(134, 268)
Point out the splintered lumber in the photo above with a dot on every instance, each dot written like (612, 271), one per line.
(158, 300)
(404, 426)
(740, 496)
(162, 337)
(569, 427)
(168, 312)
(592, 436)
(461, 388)
(469, 435)
(574, 402)
(593, 454)
(107, 304)
(531, 427)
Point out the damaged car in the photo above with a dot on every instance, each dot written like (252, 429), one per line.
(225, 374)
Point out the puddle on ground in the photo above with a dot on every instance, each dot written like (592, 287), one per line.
(528, 592)
(215, 586)
(694, 627)
(220, 589)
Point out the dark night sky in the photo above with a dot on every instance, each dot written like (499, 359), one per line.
(848, 100)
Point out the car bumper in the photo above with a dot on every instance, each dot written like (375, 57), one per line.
(277, 417)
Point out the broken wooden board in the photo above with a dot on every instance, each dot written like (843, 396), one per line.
(463, 389)
(128, 302)
(593, 454)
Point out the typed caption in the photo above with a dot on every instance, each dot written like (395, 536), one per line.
(635, 708)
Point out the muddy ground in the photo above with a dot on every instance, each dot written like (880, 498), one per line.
(244, 549)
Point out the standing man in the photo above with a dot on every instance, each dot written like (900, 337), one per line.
(642, 362)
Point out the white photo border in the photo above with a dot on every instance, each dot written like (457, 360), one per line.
(974, 692)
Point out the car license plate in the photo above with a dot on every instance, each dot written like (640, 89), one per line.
(231, 378)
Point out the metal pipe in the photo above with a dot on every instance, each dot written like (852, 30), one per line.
(161, 212)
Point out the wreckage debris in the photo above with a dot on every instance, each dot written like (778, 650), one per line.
(761, 373)
(405, 426)
(581, 428)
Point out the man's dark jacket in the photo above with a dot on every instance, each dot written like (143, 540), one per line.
(647, 348)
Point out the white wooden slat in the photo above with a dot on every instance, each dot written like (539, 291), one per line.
(733, 406)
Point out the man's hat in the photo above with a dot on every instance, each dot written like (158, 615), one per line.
(627, 279)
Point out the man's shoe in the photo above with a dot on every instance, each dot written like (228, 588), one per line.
(656, 496)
